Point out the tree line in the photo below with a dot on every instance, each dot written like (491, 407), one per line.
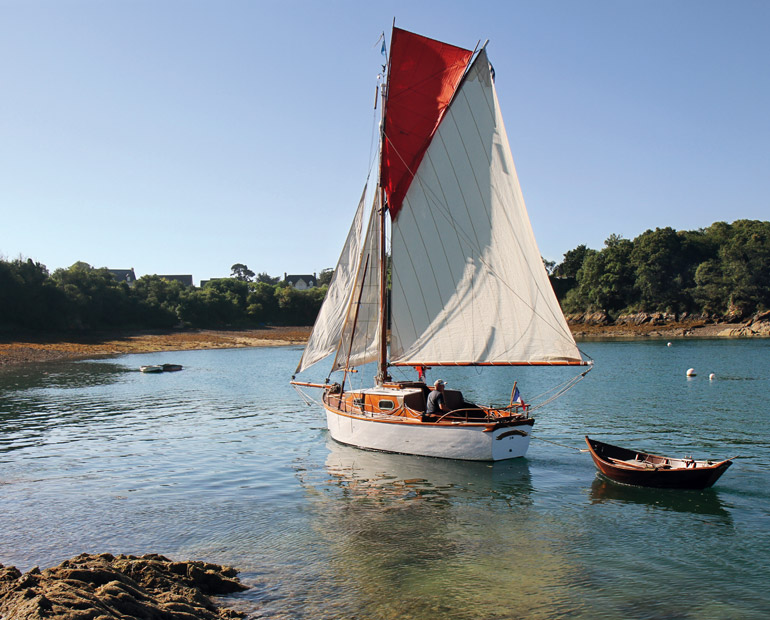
(722, 270)
(84, 298)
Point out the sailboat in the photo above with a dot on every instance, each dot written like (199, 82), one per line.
(467, 282)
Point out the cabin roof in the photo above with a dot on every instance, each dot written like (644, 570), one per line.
(381, 391)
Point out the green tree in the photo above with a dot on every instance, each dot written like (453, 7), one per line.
(659, 268)
(299, 307)
(158, 300)
(267, 279)
(28, 297)
(325, 277)
(573, 261)
(210, 307)
(712, 289)
(745, 261)
(606, 279)
(93, 298)
(262, 304)
(241, 272)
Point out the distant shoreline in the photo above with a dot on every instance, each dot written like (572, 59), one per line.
(61, 347)
(673, 329)
(46, 348)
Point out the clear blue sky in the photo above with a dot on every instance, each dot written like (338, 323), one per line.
(182, 136)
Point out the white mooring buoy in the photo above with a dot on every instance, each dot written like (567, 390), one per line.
(690, 372)
(712, 376)
(669, 344)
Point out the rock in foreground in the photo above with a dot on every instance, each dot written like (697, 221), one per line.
(100, 587)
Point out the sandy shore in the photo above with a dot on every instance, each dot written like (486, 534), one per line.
(26, 349)
(38, 348)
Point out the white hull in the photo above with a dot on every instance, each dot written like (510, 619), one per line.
(467, 442)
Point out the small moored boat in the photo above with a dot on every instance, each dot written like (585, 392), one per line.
(650, 470)
(151, 368)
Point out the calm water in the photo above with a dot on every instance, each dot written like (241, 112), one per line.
(224, 462)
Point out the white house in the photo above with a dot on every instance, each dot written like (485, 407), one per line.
(301, 282)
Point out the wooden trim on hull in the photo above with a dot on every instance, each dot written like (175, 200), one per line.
(470, 441)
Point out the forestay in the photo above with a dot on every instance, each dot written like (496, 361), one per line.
(468, 282)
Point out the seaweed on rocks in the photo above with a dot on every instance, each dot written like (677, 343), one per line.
(101, 587)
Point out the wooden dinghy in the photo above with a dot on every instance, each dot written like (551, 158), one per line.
(650, 470)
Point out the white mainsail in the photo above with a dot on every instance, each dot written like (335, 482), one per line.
(468, 283)
(327, 330)
(362, 319)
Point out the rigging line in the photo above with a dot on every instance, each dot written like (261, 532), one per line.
(373, 156)
(560, 385)
(561, 445)
(568, 386)
(307, 399)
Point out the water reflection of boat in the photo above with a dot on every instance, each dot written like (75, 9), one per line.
(703, 501)
(400, 476)
(420, 537)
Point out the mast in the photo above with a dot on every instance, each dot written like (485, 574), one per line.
(382, 368)
(382, 363)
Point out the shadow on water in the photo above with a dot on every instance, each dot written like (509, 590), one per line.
(699, 502)
(64, 375)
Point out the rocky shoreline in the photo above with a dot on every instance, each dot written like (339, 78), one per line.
(124, 586)
(664, 325)
(24, 349)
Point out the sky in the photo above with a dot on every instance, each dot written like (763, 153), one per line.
(184, 136)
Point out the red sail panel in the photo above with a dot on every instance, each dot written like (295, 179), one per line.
(424, 74)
